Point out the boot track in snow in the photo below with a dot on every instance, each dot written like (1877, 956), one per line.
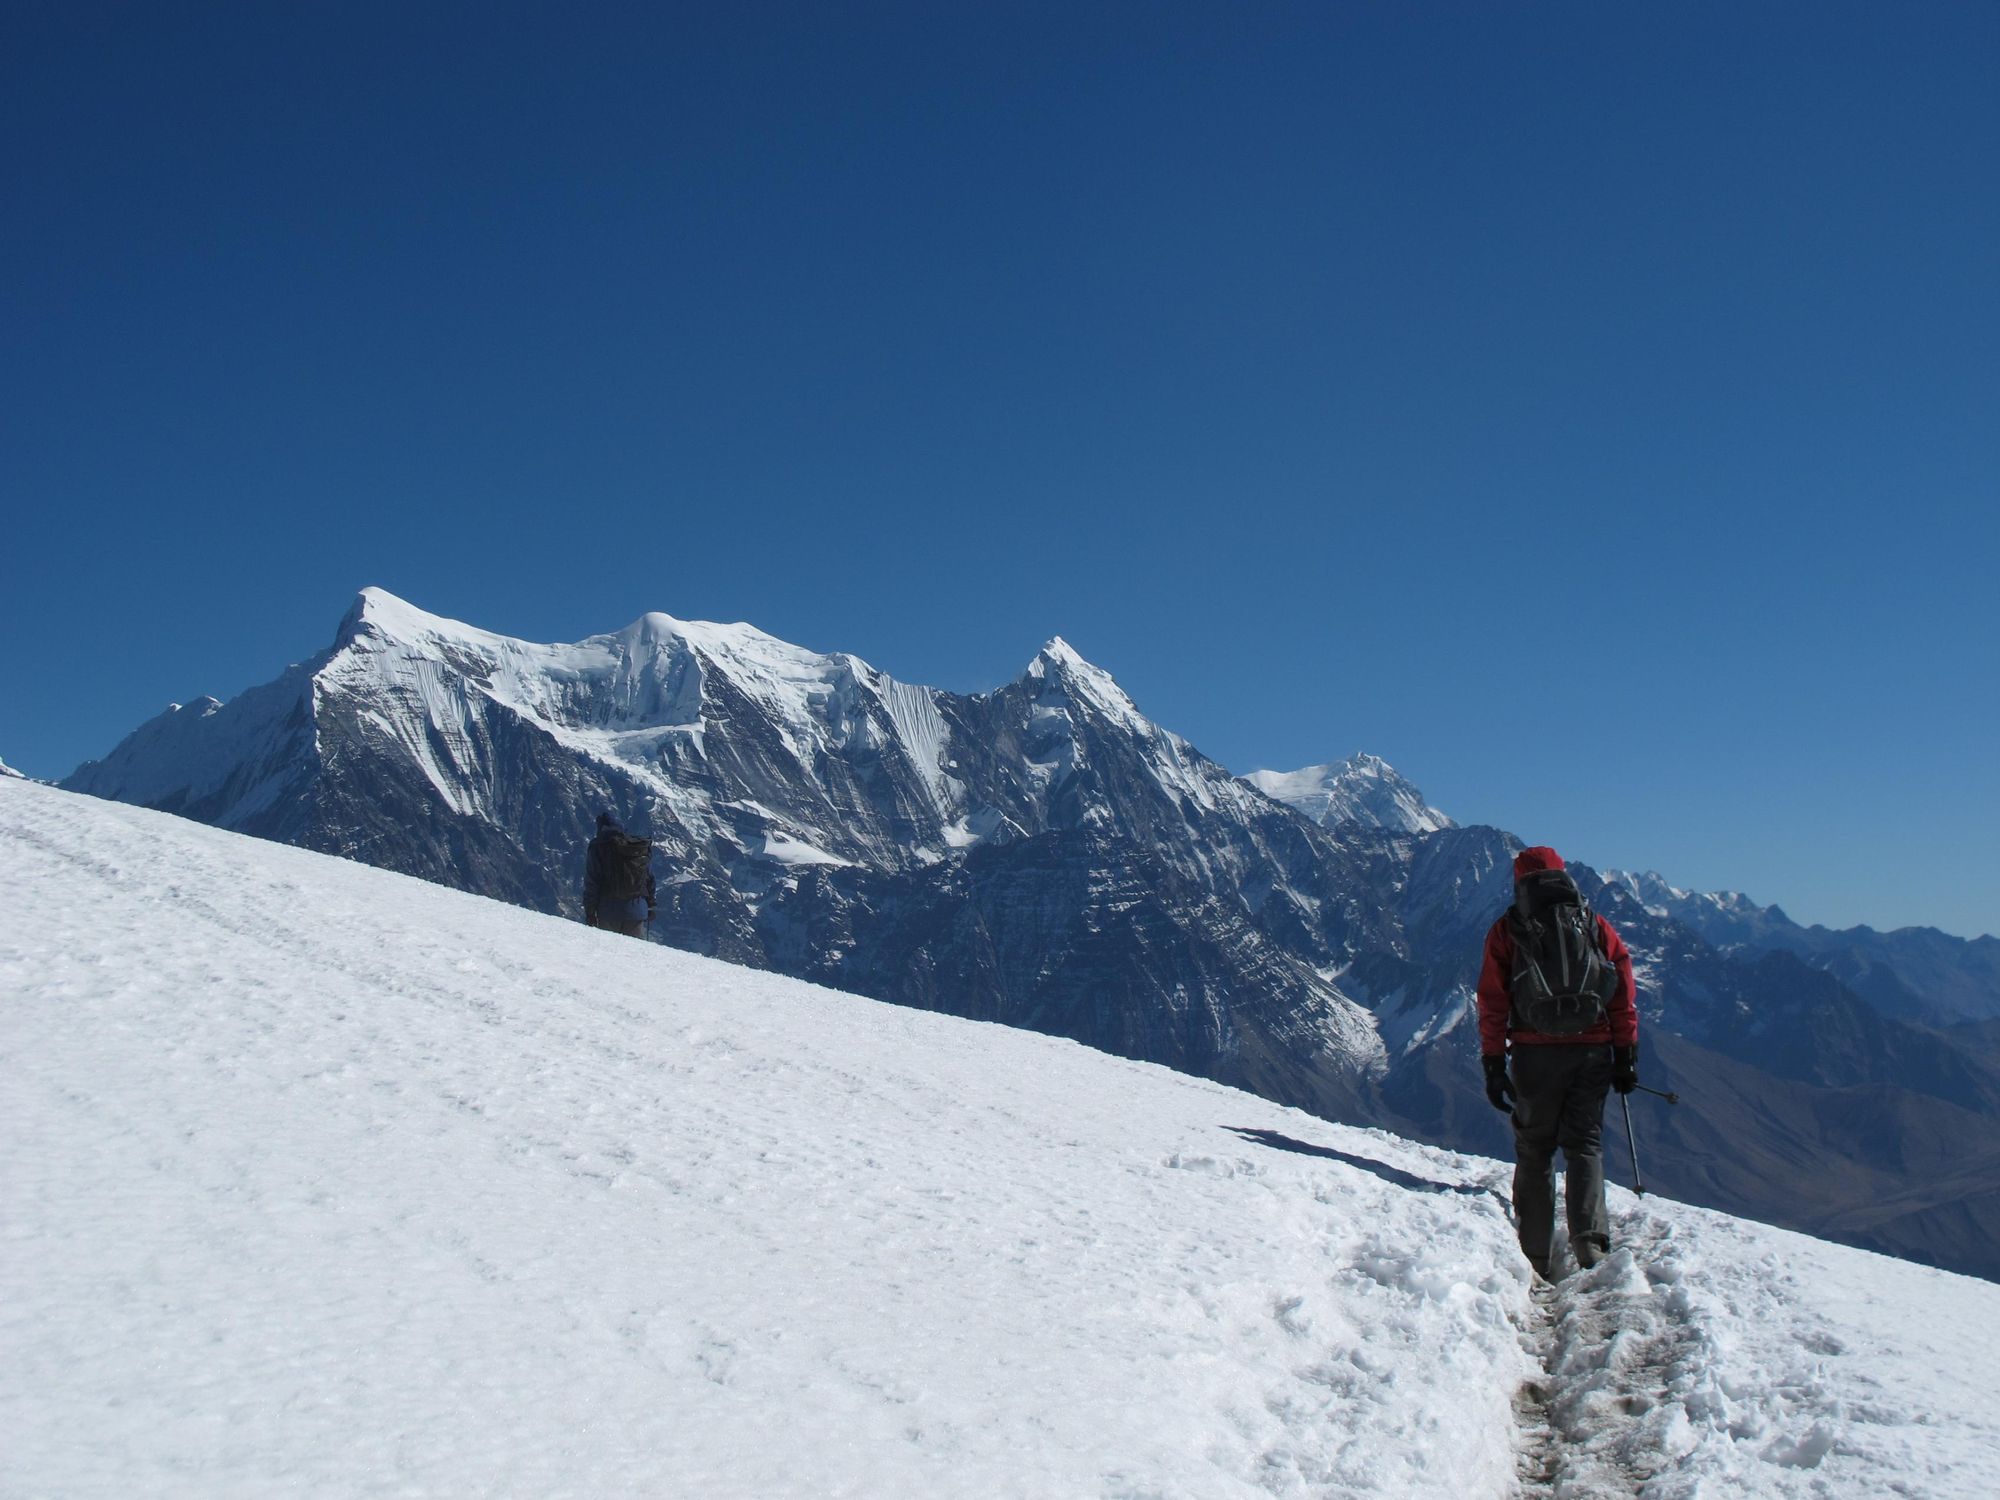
(1616, 1344)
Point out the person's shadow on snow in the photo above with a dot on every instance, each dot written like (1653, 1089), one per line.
(1381, 1169)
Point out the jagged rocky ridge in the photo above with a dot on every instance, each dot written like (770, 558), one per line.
(1045, 856)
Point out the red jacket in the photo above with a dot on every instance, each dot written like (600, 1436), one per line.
(1496, 1004)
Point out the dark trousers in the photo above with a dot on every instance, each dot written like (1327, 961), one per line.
(623, 929)
(1559, 1091)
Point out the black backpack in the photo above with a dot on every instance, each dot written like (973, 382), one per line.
(627, 861)
(1562, 982)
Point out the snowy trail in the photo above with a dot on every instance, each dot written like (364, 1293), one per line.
(322, 1181)
(329, 1182)
(1538, 1459)
(1707, 1351)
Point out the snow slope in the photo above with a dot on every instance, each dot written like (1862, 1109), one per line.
(325, 1181)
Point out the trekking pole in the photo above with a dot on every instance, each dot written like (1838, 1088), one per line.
(1659, 1093)
(1638, 1184)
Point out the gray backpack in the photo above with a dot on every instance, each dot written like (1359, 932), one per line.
(1562, 981)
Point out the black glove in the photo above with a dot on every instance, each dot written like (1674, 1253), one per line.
(1499, 1089)
(590, 918)
(1625, 1069)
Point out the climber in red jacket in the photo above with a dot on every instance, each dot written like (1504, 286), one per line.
(1556, 987)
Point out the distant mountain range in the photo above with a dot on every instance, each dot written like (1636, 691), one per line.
(1044, 855)
(1917, 973)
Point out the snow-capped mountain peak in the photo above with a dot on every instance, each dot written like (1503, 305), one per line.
(731, 737)
(1060, 662)
(650, 646)
(1361, 789)
(377, 612)
(722, 741)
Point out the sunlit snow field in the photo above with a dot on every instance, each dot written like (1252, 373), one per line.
(323, 1181)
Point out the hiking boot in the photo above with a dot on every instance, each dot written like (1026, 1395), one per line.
(1589, 1252)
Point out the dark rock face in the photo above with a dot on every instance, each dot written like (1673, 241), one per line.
(1043, 856)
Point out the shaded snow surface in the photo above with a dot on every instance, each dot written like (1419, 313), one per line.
(323, 1181)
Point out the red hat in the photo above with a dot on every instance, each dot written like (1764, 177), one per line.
(1541, 857)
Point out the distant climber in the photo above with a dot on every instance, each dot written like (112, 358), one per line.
(1556, 986)
(618, 880)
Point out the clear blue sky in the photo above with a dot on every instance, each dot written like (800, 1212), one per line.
(1594, 409)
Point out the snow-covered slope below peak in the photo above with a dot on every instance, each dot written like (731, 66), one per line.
(1361, 789)
(410, 1190)
(7, 770)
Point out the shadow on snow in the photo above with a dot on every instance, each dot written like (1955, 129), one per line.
(1383, 1170)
